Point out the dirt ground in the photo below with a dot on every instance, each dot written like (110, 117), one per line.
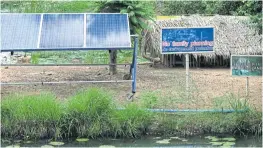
(206, 85)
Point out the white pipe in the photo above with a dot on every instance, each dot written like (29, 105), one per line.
(187, 75)
(63, 82)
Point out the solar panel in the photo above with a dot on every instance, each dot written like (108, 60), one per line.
(62, 31)
(107, 30)
(19, 31)
(31, 32)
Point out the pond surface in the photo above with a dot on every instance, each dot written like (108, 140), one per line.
(196, 141)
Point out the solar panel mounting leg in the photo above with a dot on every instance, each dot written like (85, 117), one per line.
(134, 67)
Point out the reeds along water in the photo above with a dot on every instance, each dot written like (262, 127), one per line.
(92, 113)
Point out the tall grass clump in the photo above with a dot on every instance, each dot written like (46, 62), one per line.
(186, 124)
(91, 113)
(30, 116)
(88, 114)
(245, 120)
(231, 101)
(131, 122)
(35, 56)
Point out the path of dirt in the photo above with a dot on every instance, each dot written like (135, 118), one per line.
(206, 84)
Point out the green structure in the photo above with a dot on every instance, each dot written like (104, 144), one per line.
(246, 65)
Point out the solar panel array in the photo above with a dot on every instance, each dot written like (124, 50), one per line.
(106, 30)
(19, 31)
(64, 31)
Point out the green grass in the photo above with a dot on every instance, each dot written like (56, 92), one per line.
(149, 99)
(237, 123)
(231, 101)
(87, 57)
(32, 115)
(92, 113)
(88, 114)
(35, 57)
(48, 6)
(186, 124)
(131, 122)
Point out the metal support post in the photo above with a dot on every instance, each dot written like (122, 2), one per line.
(134, 64)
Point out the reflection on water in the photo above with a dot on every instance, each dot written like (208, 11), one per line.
(197, 141)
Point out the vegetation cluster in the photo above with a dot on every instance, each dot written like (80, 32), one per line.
(92, 113)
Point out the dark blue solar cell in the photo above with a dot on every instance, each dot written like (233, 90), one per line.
(19, 31)
(62, 31)
(107, 30)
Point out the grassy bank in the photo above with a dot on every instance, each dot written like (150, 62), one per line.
(92, 113)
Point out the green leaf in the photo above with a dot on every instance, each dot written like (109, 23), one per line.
(28, 142)
(130, 7)
(134, 20)
(131, 13)
(164, 141)
(106, 146)
(229, 139)
(55, 143)
(140, 13)
(47, 146)
(214, 139)
(209, 137)
(229, 143)
(217, 143)
(140, 5)
(82, 139)
(124, 11)
(174, 137)
(17, 141)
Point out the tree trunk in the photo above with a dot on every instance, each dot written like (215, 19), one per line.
(113, 60)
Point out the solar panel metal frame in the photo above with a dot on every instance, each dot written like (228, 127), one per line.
(70, 48)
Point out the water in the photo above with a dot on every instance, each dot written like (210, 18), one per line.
(197, 141)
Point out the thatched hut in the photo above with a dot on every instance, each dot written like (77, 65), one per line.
(234, 35)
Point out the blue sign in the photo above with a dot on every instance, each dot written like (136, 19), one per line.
(185, 40)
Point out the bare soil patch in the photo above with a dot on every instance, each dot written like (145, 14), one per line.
(206, 84)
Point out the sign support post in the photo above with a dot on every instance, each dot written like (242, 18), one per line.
(187, 74)
(184, 40)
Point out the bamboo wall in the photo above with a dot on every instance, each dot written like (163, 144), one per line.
(173, 60)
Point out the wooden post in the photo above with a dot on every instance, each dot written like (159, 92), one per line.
(113, 60)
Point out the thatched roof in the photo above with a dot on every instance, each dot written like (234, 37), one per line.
(233, 34)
